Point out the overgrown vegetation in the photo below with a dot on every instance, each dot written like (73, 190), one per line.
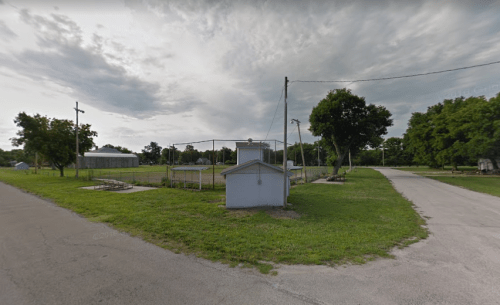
(351, 223)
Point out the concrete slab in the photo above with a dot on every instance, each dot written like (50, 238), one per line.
(132, 190)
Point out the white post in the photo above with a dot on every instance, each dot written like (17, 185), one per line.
(200, 180)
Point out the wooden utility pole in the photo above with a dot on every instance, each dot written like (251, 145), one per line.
(213, 164)
(301, 148)
(36, 163)
(77, 161)
(350, 164)
(285, 172)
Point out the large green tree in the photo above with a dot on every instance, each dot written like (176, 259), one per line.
(119, 148)
(53, 138)
(151, 153)
(456, 132)
(345, 122)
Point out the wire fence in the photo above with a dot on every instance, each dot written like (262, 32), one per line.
(188, 179)
(312, 173)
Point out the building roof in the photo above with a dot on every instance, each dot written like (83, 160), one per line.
(251, 145)
(106, 150)
(112, 155)
(235, 168)
(21, 163)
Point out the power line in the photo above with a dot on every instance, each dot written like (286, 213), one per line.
(394, 77)
(291, 133)
(275, 113)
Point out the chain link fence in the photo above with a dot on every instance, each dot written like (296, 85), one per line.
(190, 179)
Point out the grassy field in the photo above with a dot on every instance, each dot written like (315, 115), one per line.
(484, 184)
(480, 183)
(447, 169)
(350, 223)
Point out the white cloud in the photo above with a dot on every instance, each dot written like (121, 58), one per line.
(211, 69)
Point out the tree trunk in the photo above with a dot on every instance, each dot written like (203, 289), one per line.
(61, 171)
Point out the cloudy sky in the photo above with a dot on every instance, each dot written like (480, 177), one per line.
(182, 71)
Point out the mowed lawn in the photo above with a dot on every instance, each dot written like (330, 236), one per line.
(487, 184)
(483, 184)
(354, 222)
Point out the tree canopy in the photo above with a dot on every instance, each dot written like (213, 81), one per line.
(456, 132)
(345, 122)
(119, 148)
(55, 139)
(151, 153)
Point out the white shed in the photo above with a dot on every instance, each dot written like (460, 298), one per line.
(254, 183)
(246, 151)
(22, 166)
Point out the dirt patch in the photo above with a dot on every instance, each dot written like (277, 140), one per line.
(274, 212)
(283, 214)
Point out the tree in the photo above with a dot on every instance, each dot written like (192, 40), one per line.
(53, 138)
(151, 153)
(456, 132)
(167, 155)
(393, 153)
(119, 148)
(345, 122)
(190, 155)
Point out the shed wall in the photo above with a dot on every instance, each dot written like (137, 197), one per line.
(243, 190)
(247, 154)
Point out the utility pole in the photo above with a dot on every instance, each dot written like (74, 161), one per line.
(285, 172)
(301, 148)
(77, 161)
(319, 160)
(383, 161)
(213, 164)
(350, 164)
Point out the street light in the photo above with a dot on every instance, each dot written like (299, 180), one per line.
(77, 110)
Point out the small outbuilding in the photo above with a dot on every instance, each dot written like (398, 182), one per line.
(252, 182)
(486, 164)
(22, 166)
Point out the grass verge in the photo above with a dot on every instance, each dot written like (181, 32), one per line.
(483, 184)
(351, 223)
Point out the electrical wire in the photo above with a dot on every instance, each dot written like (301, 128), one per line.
(291, 133)
(393, 77)
(275, 111)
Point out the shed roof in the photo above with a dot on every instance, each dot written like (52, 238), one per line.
(235, 168)
(21, 163)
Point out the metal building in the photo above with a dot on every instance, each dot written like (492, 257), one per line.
(106, 157)
(22, 166)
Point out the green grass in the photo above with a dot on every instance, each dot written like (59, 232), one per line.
(351, 223)
(484, 184)
(429, 169)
